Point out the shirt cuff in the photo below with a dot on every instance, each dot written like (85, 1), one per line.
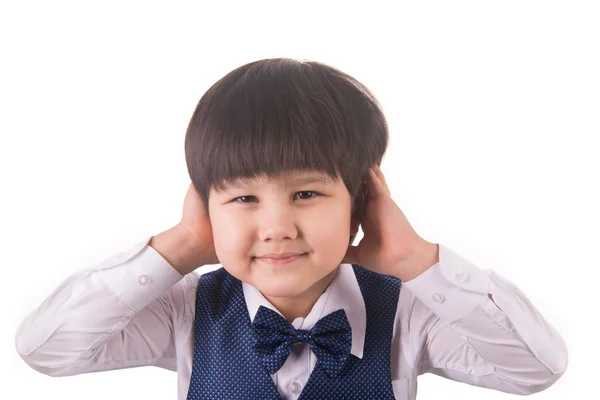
(452, 288)
(138, 276)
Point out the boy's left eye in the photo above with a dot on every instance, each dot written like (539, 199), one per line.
(309, 191)
(314, 194)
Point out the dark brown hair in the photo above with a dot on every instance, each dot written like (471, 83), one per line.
(273, 116)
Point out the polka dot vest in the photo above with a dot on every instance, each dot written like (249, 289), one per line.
(225, 365)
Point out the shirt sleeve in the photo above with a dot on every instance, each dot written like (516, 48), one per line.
(115, 315)
(458, 332)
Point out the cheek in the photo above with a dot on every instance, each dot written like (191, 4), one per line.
(330, 233)
(229, 238)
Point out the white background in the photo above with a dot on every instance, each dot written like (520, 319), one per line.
(493, 109)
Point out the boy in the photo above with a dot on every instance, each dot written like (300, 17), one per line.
(284, 160)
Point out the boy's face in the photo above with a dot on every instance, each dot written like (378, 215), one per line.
(310, 218)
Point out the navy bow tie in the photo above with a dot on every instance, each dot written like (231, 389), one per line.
(330, 339)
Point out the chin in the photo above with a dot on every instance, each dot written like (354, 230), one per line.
(278, 290)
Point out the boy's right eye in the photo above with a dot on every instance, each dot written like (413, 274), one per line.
(242, 197)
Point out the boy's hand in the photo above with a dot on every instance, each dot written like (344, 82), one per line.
(390, 245)
(189, 244)
(196, 223)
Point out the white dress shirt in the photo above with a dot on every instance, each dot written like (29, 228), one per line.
(134, 309)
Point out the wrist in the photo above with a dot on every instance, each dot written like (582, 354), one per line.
(175, 247)
(424, 257)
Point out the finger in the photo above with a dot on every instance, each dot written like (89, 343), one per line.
(375, 185)
(381, 177)
(372, 183)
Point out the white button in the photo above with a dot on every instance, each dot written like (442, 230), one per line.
(462, 277)
(143, 279)
(438, 298)
(295, 387)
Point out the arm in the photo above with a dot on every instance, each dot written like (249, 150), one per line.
(475, 327)
(118, 314)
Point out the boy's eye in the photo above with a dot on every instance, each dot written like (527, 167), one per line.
(302, 197)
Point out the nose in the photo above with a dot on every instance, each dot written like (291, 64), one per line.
(276, 224)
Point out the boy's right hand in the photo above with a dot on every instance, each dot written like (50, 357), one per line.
(195, 222)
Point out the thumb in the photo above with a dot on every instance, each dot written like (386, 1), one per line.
(350, 256)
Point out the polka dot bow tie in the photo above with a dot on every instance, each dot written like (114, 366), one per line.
(330, 339)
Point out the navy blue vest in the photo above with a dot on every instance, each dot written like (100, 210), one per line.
(226, 367)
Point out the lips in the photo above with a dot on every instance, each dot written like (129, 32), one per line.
(280, 255)
(277, 259)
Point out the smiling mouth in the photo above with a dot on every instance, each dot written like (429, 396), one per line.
(280, 261)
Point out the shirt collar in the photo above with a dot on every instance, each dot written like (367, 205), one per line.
(343, 292)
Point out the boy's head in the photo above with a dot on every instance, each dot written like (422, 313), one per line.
(265, 125)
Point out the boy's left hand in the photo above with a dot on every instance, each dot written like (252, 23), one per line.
(390, 245)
